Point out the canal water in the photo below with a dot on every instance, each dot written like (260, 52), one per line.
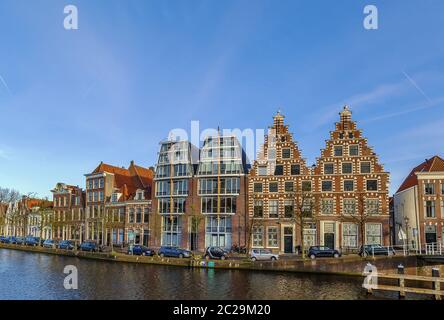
(27, 275)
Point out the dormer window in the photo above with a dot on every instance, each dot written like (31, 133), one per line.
(139, 195)
(114, 197)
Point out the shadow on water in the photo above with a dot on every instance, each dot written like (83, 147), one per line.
(25, 275)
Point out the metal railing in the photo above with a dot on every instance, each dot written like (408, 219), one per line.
(435, 248)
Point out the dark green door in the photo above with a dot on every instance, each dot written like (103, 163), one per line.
(288, 244)
(430, 237)
(329, 240)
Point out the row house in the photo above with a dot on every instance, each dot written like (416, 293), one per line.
(118, 204)
(22, 217)
(419, 205)
(40, 220)
(128, 210)
(68, 213)
(340, 202)
(275, 185)
(352, 188)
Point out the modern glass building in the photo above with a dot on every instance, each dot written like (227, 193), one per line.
(174, 172)
(220, 174)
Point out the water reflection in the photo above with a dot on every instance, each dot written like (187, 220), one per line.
(26, 275)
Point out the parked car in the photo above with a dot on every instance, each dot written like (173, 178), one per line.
(39, 240)
(10, 239)
(322, 251)
(49, 243)
(20, 240)
(170, 251)
(89, 246)
(376, 249)
(215, 253)
(139, 250)
(3, 239)
(31, 241)
(263, 254)
(66, 245)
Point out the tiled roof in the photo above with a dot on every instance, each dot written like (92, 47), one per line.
(434, 164)
(103, 167)
(129, 180)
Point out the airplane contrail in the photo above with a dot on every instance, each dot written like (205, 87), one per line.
(416, 86)
(5, 84)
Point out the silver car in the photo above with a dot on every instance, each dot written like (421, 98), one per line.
(263, 254)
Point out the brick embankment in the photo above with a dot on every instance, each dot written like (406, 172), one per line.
(351, 265)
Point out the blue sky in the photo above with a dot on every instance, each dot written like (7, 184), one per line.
(136, 69)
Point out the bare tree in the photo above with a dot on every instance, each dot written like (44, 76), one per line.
(8, 195)
(304, 211)
(196, 220)
(256, 221)
(359, 215)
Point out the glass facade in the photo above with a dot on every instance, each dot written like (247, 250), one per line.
(218, 231)
(171, 230)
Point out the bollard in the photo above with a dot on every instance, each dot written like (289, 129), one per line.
(401, 283)
(436, 284)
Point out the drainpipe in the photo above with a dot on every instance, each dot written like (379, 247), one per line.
(418, 235)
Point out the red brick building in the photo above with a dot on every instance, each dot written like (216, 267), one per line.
(351, 187)
(343, 199)
(118, 204)
(274, 188)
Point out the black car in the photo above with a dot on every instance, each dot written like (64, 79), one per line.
(375, 249)
(215, 253)
(323, 251)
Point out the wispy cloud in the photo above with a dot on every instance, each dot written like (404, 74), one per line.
(407, 110)
(4, 154)
(380, 93)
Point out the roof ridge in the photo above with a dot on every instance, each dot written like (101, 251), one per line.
(138, 175)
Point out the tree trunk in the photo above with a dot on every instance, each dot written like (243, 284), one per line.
(301, 221)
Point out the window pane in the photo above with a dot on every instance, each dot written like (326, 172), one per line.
(372, 185)
(348, 185)
(286, 153)
(295, 169)
(279, 170)
(346, 168)
(365, 167)
(338, 151)
(273, 187)
(353, 150)
(328, 168)
(288, 186)
(327, 185)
